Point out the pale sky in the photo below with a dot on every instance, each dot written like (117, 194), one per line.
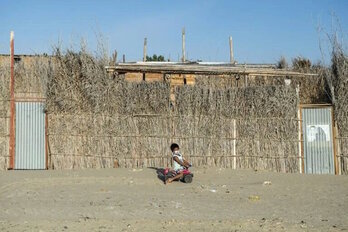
(262, 30)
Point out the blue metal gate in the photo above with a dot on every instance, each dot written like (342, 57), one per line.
(318, 140)
(30, 136)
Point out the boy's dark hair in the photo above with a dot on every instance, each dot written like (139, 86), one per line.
(173, 146)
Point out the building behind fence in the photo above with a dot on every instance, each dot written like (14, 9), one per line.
(98, 120)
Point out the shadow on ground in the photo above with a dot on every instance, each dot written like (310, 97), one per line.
(159, 172)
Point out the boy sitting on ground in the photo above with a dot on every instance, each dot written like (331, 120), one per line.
(179, 163)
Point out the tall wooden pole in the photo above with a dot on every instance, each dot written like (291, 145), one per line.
(124, 58)
(114, 58)
(12, 104)
(231, 51)
(145, 48)
(183, 59)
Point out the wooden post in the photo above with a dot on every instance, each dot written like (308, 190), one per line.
(124, 58)
(231, 51)
(145, 48)
(334, 142)
(234, 144)
(46, 138)
(299, 140)
(183, 59)
(299, 118)
(338, 150)
(12, 104)
(114, 58)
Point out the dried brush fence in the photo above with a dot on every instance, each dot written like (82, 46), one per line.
(96, 120)
(4, 114)
(253, 127)
(133, 133)
(339, 82)
(312, 89)
(209, 126)
(241, 128)
(99, 120)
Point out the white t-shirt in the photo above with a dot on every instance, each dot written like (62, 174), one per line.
(176, 165)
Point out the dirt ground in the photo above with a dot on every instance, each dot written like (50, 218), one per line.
(137, 200)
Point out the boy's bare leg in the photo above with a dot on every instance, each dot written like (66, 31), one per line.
(180, 175)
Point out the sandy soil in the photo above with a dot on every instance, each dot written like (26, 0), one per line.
(136, 200)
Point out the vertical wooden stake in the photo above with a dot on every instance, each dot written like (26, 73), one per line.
(145, 48)
(334, 143)
(231, 51)
(12, 104)
(338, 150)
(124, 58)
(46, 140)
(299, 140)
(234, 145)
(299, 118)
(183, 59)
(114, 58)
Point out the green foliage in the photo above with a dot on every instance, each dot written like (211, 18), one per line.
(301, 64)
(155, 58)
(282, 63)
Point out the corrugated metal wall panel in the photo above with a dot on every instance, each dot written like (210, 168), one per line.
(318, 140)
(30, 136)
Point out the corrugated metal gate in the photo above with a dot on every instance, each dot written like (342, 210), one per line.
(318, 146)
(30, 136)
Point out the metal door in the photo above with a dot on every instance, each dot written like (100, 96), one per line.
(318, 147)
(30, 136)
